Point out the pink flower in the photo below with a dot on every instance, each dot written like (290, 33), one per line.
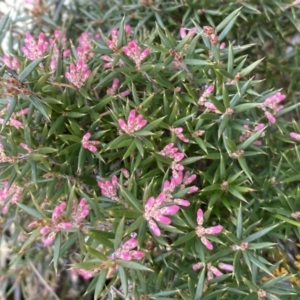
(154, 212)
(211, 270)
(133, 124)
(13, 193)
(187, 31)
(125, 251)
(201, 231)
(78, 73)
(209, 90)
(80, 211)
(11, 62)
(113, 89)
(135, 52)
(179, 134)
(33, 49)
(222, 45)
(90, 145)
(211, 107)
(270, 117)
(109, 188)
(295, 136)
(56, 225)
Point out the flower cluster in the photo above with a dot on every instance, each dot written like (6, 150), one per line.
(211, 270)
(187, 31)
(85, 42)
(113, 89)
(246, 134)
(272, 105)
(133, 124)
(135, 52)
(32, 49)
(11, 62)
(59, 39)
(203, 98)
(80, 211)
(87, 144)
(13, 118)
(172, 152)
(78, 74)
(126, 252)
(113, 42)
(179, 134)
(154, 212)
(109, 188)
(211, 34)
(8, 195)
(202, 231)
(56, 225)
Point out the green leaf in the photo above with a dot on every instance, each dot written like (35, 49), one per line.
(228, 27)
(11, 109)
(184, 238)
(119, 234)
(96, 253)
(135, 225)
(153, 124)
(101, 237)
(223, 125)
(245, 167)
(56, 124)
(56, 250)
(33, 236)
(239, 223)
(197, 62)
(167, 43)
(38, 105)
(250, 68)
(30, 68)
(228, 19)
(131, 199)
(100, 283)
(251, 139)
(31, 211)
(260, 233)
(132, 265)
(124, 281)
(200, 285)
(4, 20)
(244, 107)
(190, 160)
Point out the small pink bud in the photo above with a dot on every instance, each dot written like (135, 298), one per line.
(225, 267)
(130, 244)
(169, 210)
(214, 229)
(215, 271)
(163, 219)
(64, 225)
(193, 189)
(197, 266)
(207, 243)
(182, 202)
(199, 216)
(50, 239)
(137, 254)
(154, 228)
(270, 117)
(295, 136)
(45, 230)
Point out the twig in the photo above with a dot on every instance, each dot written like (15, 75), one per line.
(46, 285)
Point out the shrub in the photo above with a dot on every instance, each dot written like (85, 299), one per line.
(147, 158)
